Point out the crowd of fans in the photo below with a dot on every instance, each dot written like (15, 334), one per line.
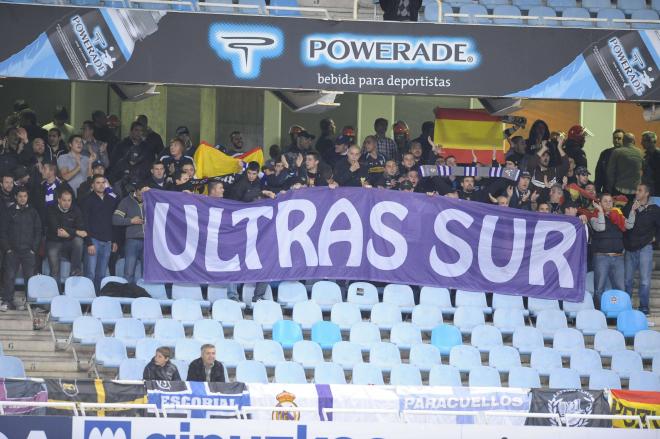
(77, 194)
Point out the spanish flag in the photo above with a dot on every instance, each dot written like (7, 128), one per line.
(209, 162)
(461, 131)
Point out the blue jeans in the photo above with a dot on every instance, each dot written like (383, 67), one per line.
(641, 260)
(232, 291)
(133, 252)
(607, 267)
(96, 266)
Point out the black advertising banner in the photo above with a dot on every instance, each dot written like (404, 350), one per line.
(569, 401)
(128, 45)
(96, 391)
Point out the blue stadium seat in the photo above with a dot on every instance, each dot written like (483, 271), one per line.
(156, 291)
(608, 341)
(11, 367)
(630, 6)
(595, 5)
(508, 301)
(365, 334)
(572, 308)
(229, 352)
(550, 321)
(437, 297)
(445, 375)
(545, 16)
(326, 334)
(129, 331)
(565, 379)
(647, 343)
(347, 354)
(269, 352)
(431, 12)
(508, 319)
(110, 352)
(228, 312)
(191, 292)
(580, 18)
(367, 374)
(182, 367)
(445, 337)
(87, 330)
(261, 4)
(471, 10)
(405, 334)
(307, 313)
(524, 377)
(187, 349)
(612, 302)
(424, 356)
(645, 14)
(626, 362)
(504, 358)
(544, 360)
(217, 9)
(457, 3)
(464, 357)
(585, 361)
(145, 348)
(536, 305)
(41, 290)
(289, 372)
(345, 315)
(490, 4)
(247, 332)
(655, 364)
(567, 341)
(426, 317)
(326, 293)
(291, 292)
(121, 262)
(385, 315)
(216, 292)
(168, 331)
(484, 376)
(405, 375)
(655, 5)
(363, 294)
(472, 298)
(467, 318)
(147, 310)
(604, 379)
(132, 369)
(384, 355)
(81, 288)
(561, 5)
(485, 337)
(399, 295)
(286, 333)
(107, 309)
(630, 322)
(645, 381)
(251, 371)
(610, 15)
(329, 373)
(284, 12)
(526, 339)
(117, 279)
(526, 5)
(208, 331)
(186, 311)
(248, 293)
(590, 321)
(511, 12)
(266, 313)
(307, 353)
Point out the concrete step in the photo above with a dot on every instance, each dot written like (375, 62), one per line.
(15, 323)
(58, 374)
(39, 345)
(50, 366)
(12, 334)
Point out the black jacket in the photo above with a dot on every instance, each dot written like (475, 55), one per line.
(169, 372)
(390, 7)
(196, 372)
(21, 229)
(70, 221)
(601, 170)
(647, 226)
(345, 177)
(246, 190)
(98, 213)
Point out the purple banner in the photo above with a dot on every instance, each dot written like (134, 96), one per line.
(364, 234)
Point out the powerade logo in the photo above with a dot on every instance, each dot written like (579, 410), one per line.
(245, 46)
(107, 430)
(394, 52)
(95, 46)
(633, 68)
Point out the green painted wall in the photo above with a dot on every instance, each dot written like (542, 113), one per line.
(600, 119)
(155, 108)
(87, 97)
(370, 108)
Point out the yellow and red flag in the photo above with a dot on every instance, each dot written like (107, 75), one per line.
(461, 131)
(636, 403)
(210, 162)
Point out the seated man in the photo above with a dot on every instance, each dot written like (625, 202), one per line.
(206, 367)
(65, 231)
(160, 367)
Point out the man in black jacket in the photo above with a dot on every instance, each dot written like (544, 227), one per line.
(206, 368)
(400, 10)
(21, 236)
(65, 231)
(349, 172)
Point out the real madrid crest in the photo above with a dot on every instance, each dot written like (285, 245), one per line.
(286, 399)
